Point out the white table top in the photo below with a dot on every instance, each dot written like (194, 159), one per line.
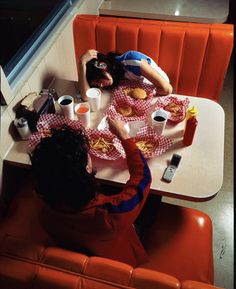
(200, 173)
(203, 11)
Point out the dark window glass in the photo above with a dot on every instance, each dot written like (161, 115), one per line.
(23, 26)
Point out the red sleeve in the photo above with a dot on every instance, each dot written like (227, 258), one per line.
(121, 210)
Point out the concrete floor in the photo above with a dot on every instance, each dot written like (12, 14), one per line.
(221, 207)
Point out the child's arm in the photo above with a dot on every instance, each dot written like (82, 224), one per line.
(121, 210)
(164, 87)
(83, 83)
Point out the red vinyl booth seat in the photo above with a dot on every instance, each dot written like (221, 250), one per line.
(24, 264)
(179, 246)
(195, 56)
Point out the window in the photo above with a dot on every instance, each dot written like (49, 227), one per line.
(24, 26)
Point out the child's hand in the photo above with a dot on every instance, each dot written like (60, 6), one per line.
(116, 126)
(88, 55)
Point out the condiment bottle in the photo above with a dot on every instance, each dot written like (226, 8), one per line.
(190, 131)
(191, 112)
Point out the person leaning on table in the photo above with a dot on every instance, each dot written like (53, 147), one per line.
(99, 70)
(71, 208)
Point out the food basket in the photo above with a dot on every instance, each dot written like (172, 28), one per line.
(127, 108)
(150, 144)
(104, 145)
(44, 125)
(174, 105)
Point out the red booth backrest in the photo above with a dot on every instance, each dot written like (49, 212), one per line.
(26, 265)
(195, 56)
(29, 265)
(30, 258)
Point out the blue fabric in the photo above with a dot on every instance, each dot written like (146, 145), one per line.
(130, 204)
(132, 60)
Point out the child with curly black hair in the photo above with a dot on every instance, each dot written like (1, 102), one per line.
(73, 210)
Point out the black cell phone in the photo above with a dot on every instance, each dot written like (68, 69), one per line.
(170, 170)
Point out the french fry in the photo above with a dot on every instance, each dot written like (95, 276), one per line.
(146, 146)
(102, 145)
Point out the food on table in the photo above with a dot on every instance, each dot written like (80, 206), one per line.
(127, 90)
(101, 144)
(82, 109)
(173, 108)
(126, 110)
(146, 146)
(47, 133)
(139, 93)
(136, 93)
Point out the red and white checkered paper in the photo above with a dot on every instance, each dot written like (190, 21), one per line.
(164, 100)
(162, 143)
(48, 121)
(112, 155)
(120, 99)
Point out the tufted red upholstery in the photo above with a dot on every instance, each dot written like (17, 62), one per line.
(34, 266)
(184, 241)
(195, 56)
(30, 259)
(24, 265)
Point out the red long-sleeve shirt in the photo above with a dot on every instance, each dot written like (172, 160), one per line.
(104, 227)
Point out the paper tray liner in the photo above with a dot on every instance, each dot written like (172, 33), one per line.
(121, 99)
(48, 121)
(183, 104)
(161, 143)
(114, 154)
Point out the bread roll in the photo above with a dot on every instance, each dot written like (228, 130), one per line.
(138, 93)
(125, 110)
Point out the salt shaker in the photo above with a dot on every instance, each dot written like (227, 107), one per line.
(190, 131)
(22, 127)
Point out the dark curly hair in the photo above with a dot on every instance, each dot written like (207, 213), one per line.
(59, 166)
(114, 67)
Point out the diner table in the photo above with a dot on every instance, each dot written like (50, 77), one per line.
(199, 175)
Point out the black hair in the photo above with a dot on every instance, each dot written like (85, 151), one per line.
(59, 166)
(114, 67)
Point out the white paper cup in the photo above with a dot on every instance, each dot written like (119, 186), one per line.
(82, 111)
(66, 103)
(94, 98)
(159, 120)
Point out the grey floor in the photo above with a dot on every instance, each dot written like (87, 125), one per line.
(221, 207)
